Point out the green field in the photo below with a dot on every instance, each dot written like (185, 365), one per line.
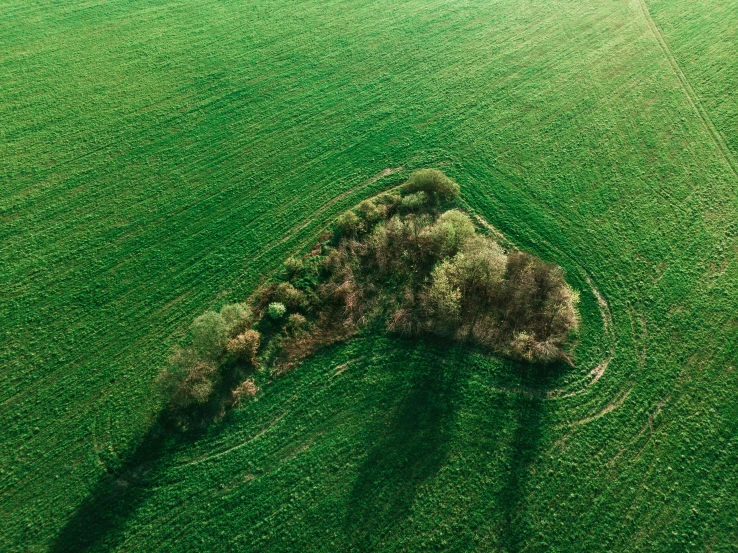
(158, 158)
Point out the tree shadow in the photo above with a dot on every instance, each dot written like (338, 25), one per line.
(412, 448)
(99, 522)
(540, 377)
(525, 446)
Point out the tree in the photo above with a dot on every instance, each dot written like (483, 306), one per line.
(480, 267)
(451, 231)
(370, 211)
(237, 317)
(348, 224)
(247, 389)
(296, 322)
(190, 377)
(442, 299)
(188, 380)
(209, 334)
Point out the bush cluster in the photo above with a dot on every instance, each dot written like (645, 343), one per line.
(414, 260)
(216, 340)
(409, 259)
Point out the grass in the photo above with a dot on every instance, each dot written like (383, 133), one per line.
(155, 156)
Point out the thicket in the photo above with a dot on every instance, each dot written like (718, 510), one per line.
(219, 342)
(408, 259)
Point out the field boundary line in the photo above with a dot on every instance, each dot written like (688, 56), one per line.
(689, 91)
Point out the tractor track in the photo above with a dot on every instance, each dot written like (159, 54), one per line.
(689, 91)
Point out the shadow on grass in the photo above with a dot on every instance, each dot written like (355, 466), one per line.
(411, 448)
(525, 447)
(100, 521)
(96, 524)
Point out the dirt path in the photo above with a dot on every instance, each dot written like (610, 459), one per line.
(231, 449)
(607, 409)
(689, 91)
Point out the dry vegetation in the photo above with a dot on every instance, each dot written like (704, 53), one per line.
(407, 258)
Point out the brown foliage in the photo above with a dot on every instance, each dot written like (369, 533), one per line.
(246, 390)
(245, 346)
(324, 332)
(287, 294)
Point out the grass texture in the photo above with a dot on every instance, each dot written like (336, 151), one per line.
(161, 157)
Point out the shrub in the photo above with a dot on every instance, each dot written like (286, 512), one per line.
(389, 198)
(404, 322)
(527, 347)
(415, 201)
(370, 212)
(277, 310)
(434, 183)
(293, 265)
(296, 322)
(245, 346)
(290, 296)
(389, 202)
(377, 246)
(347, 293)
(209, 334)
(523, 346)
(247, 389)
